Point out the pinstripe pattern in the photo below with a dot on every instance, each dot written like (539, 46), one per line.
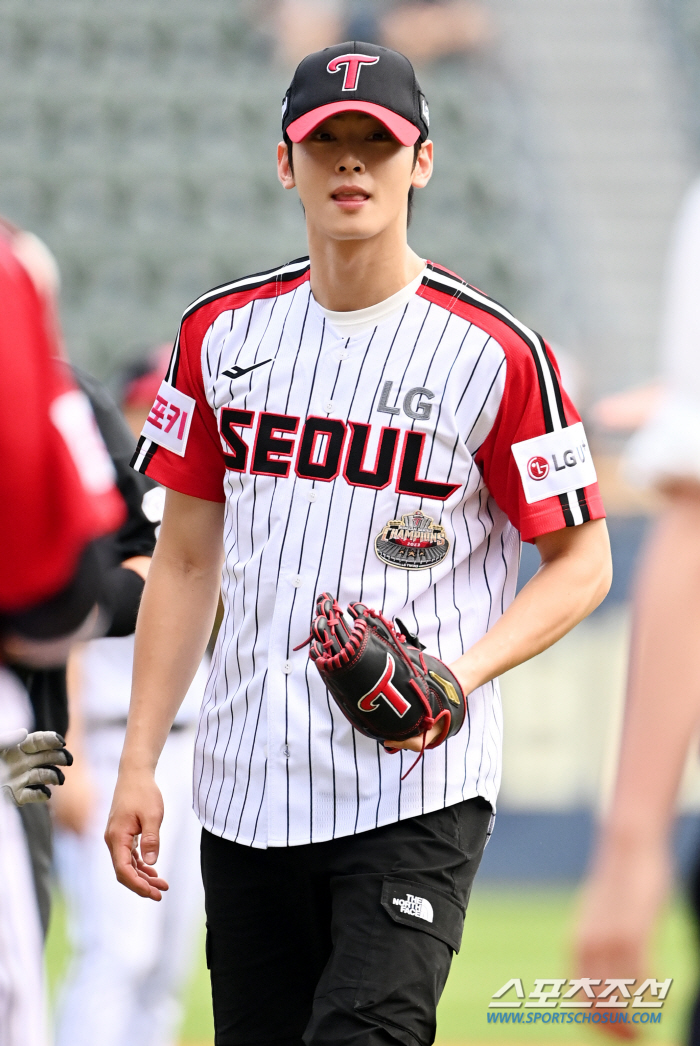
(276, 763)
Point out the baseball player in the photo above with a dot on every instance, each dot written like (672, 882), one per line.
(359, 428)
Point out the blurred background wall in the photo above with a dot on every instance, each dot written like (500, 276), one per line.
(138, 140)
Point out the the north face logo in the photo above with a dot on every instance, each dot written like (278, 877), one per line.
(353, 67)
(418, 907)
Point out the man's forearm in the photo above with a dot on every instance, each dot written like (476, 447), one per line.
(174, 624)
(663, 693)
(573, 579)
(632, 868)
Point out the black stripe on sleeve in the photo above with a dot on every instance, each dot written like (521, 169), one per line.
(566, 509)
(135, 455)
(546, 406)
(148, 457)
(150, 453)
(555, 383)
(583, 504)
(171, 373)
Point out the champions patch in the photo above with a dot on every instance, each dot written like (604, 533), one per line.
(169, 422)
(554, 463)
(414, 542)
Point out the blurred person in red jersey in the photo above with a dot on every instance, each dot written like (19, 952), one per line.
(632, 871)
(58, 499)
(56, 480)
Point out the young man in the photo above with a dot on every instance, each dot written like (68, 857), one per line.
(306, 410)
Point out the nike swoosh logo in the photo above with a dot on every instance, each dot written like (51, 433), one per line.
(238, 372)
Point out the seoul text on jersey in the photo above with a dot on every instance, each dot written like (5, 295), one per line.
(322, 448)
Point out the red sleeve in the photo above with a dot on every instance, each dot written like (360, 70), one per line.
(536, 460)
(56, 480)
(180, 445)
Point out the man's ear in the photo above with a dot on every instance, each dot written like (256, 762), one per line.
(423, 168)
(284, 167)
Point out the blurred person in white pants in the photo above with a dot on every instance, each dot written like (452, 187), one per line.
(632, 871)
(131, 960)
(22, 1008)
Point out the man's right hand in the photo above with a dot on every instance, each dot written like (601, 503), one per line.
(175, 620)
(621, 902)
(136, 816)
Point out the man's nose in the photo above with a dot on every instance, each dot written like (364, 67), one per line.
(350, 163)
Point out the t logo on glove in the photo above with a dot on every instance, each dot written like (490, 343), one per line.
(384, 688)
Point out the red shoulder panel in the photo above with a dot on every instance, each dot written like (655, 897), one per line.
(527, 409)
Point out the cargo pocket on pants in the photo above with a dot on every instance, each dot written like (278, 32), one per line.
(409, 958)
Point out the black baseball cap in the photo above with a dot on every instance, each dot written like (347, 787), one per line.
(358, 77)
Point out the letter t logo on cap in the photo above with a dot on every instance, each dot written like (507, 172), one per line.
(353, 65)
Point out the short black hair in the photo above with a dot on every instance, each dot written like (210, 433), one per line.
(411, 191)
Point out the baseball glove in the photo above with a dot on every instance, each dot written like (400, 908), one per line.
(31, 762)
(383, 682)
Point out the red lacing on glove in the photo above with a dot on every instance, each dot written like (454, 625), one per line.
(333, 620)
(368, 612)
(442, 717)
(415, 763)
(348, 651)
(332, 662)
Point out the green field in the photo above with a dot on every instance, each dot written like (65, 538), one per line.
(509, 932)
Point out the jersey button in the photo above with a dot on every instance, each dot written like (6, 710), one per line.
(297, 580)
(343, 355)
(312, 495)
(287, 668)
(330, 406)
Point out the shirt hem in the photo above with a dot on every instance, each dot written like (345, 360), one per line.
(273, 844)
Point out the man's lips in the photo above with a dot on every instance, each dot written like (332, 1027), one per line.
(350, 196)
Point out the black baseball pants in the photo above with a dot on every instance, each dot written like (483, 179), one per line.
(343, 942)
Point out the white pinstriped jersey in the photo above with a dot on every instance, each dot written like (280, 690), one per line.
(378, 466)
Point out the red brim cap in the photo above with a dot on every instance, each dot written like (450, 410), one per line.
(404, 131)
